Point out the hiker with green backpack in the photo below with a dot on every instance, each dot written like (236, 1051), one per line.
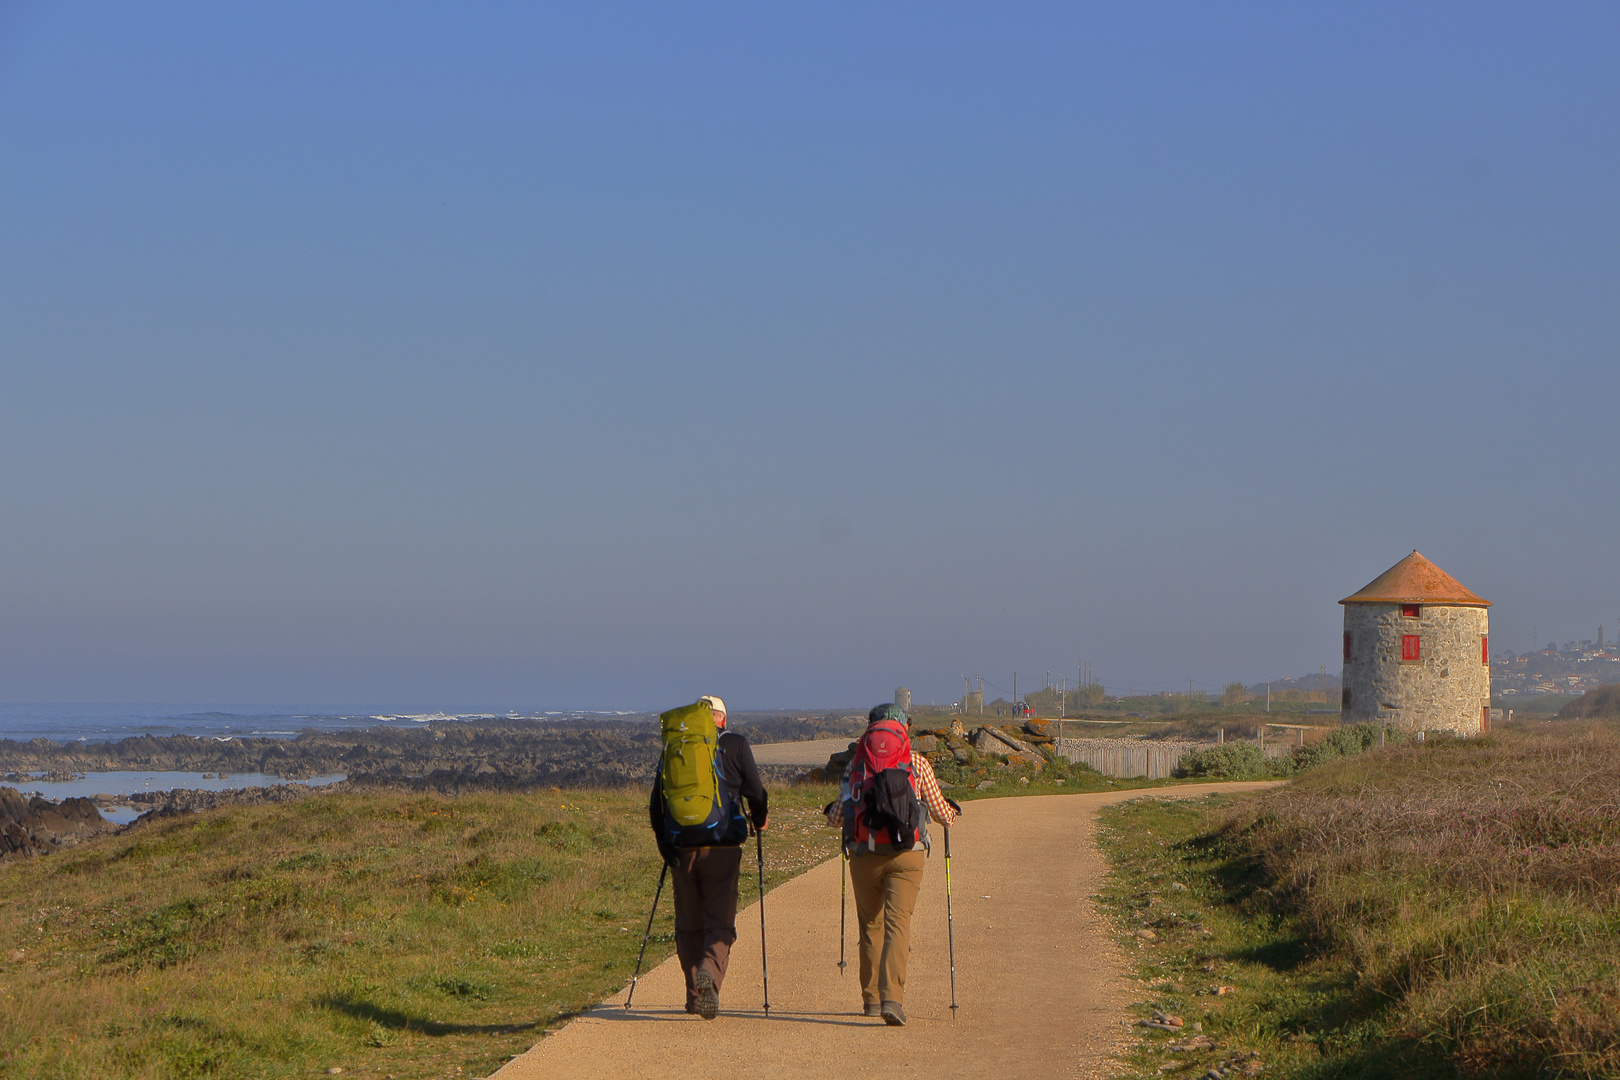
(705, 775)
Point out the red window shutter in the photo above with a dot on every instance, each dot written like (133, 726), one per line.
(1409, 647)
(1485, 719)
(1484, 649)
(1409, 611)
(1347, 646)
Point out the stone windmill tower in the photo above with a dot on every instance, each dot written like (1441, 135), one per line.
(1417, 652)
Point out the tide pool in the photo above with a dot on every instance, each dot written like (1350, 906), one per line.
(131, 783)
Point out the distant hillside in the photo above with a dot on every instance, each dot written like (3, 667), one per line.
(1599, 703)
(1304, 682)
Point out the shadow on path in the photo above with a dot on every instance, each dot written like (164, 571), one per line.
(361, 1009)
(680, 1016)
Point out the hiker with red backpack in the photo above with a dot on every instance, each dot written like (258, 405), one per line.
(705, 775)
(888, 794)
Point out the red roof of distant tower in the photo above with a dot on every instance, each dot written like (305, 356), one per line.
(1415, 580)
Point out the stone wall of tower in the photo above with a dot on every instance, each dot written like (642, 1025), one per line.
(1447, 689)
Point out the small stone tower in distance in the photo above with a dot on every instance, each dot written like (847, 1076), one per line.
(902, 698)
(1417, 652)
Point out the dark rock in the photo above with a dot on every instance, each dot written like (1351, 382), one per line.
(39, 826)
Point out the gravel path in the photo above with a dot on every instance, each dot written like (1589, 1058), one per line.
(1041, 985)
(812, 753)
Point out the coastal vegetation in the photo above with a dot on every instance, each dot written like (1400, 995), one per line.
(383, 933)
(1431, 909)
(1246, 761)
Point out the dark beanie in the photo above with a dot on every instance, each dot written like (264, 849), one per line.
(887, 711)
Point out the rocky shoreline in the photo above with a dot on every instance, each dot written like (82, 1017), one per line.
(36, 826)
(446, 757)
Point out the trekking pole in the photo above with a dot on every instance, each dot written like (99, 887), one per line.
(637, 976)
(843, 888)
(764, 968)
(950, 922)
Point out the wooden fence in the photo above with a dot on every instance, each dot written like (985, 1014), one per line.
(1118, 758)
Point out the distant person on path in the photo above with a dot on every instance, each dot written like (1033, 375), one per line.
(704, 776)
(888, 794)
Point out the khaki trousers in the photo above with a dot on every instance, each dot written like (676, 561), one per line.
(885, 888)
(706, 911)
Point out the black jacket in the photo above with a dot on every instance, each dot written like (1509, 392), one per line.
(741, 777)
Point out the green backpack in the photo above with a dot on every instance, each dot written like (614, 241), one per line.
(698, 809)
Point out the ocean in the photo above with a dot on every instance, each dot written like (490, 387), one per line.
(109, 723)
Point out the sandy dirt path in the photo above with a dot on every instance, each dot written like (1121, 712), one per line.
(1040, 984)
(813, 752)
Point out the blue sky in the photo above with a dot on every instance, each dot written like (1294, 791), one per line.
(600, 356)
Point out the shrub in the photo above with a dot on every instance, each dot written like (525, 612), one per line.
(1346, 742)
(1599, 703)
(1243, 761)
(1233, 761)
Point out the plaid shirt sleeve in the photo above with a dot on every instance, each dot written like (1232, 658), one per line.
(928, 790)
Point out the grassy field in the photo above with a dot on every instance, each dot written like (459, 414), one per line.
(1436, 909)
(381, 934)
(384, 934)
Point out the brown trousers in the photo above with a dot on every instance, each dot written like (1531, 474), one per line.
(885, 888)
(705, 911)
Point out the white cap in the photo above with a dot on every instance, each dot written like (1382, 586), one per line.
(717, 705)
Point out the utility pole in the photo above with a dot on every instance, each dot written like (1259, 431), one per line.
(1015, 691)
(1268, 709)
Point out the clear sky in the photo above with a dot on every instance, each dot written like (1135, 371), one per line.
(602, 355)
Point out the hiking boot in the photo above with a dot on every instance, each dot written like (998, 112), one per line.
(708, 995)
(893, 1014)
(872, 1008)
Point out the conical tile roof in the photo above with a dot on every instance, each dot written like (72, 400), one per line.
(1415, 580)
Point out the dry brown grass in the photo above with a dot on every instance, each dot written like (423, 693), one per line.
(1473, 886)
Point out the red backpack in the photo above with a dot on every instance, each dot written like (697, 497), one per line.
(880, 801)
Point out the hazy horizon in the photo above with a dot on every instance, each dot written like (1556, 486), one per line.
(604, 357)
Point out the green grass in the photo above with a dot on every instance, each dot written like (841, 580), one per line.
(1445, 909)
(385, 934)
